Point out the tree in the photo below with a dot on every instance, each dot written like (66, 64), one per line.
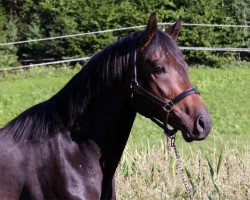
(8, 33)
(31, 19)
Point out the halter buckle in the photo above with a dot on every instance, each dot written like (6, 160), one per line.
(168, 107)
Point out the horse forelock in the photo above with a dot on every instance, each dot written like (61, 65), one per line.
(163, 40)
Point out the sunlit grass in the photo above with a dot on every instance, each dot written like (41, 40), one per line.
(150, 174)
(226, 93)
(145, 171)
(20, 91)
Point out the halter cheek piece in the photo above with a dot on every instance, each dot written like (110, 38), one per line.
(136, 89)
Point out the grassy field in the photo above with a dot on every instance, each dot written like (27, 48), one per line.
(217, 168)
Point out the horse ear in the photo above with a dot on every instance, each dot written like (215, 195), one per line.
(150, 29)
(175, 29)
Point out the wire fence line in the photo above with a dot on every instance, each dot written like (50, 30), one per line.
(219, 49)
(222, 49)
(45, 64)
(71, 35)
(212, 25)
(115, 30)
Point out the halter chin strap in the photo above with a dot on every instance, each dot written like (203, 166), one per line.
(166, 106)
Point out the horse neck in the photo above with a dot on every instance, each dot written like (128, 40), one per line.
(110, 118)
(104, 108)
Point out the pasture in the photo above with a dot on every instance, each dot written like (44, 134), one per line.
(217, 168)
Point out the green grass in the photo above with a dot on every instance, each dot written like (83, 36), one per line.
(145, 170)
(226, 93)
(22, 90)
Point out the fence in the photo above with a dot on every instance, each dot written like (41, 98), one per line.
(121, 29)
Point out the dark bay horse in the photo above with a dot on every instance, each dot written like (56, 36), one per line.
(69, 146)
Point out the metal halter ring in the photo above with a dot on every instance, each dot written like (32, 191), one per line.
(168, 107)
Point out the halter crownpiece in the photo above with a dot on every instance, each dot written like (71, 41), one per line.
(166, 106)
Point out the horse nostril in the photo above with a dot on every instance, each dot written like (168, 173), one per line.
(200, 124)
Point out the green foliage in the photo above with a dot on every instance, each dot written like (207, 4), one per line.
(213, 12)
(31, 19)
(8, 31)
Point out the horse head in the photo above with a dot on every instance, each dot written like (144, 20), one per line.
(162, 77)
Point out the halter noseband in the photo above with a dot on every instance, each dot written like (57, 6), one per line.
(166, 106)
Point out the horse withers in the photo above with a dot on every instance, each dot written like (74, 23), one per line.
(69, 146)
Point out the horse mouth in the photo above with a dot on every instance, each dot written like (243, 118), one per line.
(186, 135)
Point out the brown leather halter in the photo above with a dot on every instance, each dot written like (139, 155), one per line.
(136, 89)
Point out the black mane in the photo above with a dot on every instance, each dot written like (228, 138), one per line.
(60, 112)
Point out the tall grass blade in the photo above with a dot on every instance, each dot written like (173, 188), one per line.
(190, 178)
(211, 170)
(213, 176)
(219, 163)
(216, 187)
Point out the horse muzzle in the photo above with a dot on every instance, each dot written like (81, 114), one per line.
(200, 130)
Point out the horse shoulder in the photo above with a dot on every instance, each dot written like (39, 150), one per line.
(11, 170)
(68, 170)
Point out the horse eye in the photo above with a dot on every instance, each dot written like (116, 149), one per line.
(158, 69)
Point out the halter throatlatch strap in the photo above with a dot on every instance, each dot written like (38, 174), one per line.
(165, 105)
